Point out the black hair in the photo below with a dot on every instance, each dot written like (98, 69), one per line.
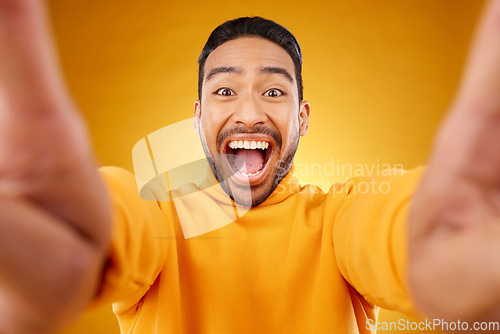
(253, 27)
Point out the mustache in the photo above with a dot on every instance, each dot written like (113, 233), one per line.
(242, 129)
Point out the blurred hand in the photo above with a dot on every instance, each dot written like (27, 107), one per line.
(455, 219)
(54, 211)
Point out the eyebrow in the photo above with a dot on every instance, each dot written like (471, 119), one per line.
(231, 69)
(223, 69)
(277, 70)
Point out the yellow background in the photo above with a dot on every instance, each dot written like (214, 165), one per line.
(379, 76)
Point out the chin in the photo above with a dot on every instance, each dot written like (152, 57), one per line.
(243, 193)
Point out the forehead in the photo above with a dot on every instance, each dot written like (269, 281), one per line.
(250, 54)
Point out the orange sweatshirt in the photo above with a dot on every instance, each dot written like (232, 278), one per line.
(301, 262)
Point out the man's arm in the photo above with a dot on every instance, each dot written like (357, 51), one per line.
(455, 219)
(54, 211)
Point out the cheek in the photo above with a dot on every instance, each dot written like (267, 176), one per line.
(211, 124)
(293, 135)
(289, 130)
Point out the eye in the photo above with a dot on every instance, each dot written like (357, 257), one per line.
(273, 93)
(224, 92)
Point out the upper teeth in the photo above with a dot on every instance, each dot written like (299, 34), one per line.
(248, 144)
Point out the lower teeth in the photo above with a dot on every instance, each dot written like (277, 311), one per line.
(248, 174)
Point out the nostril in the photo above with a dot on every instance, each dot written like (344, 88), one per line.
(249, 117)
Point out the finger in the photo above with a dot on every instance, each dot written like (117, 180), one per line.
(44, 159)
(468, 140)
(30, 80)
(481, 84)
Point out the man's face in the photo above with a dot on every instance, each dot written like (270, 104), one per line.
(249, 118)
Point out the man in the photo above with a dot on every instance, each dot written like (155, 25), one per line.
(297, 261)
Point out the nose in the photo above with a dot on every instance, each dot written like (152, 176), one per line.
(249, 112)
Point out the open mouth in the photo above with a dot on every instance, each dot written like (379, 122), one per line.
(248, 159)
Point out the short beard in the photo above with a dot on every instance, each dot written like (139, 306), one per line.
(283, 167)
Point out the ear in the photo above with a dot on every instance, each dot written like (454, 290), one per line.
(304, 113)
(197, 115)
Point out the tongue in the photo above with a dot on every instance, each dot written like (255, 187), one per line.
(253, 160)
